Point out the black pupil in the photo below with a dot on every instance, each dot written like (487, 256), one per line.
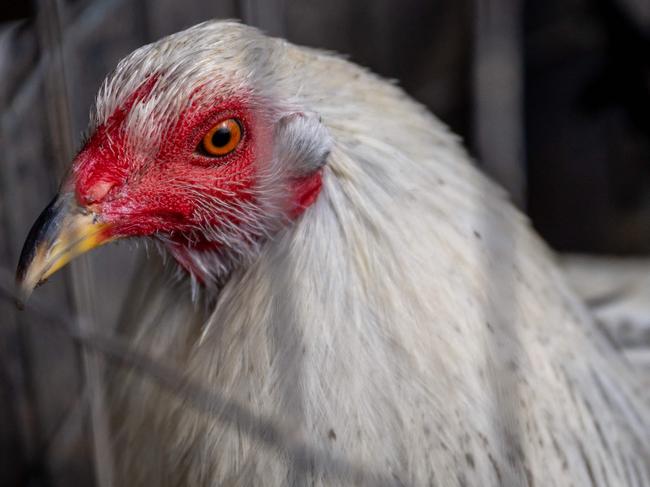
(221, 137)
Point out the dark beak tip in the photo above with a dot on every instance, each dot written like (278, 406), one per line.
(38, 233)
(22, 295)
(22, 292)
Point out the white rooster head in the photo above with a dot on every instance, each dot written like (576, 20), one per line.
(192, 143)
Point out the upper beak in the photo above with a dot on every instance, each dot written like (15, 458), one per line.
(63, 231)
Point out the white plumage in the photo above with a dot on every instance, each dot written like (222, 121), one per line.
(409, 322)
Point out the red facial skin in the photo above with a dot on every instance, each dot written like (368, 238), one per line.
(145, 194)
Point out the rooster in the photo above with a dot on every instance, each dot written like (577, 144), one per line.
(343, 269)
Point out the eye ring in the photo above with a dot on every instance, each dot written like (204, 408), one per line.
(222, 139)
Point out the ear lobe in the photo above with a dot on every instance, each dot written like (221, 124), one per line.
(302, 143)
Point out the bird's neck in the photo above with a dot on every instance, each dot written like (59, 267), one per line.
(209, 262)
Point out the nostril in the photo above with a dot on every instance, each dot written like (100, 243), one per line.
(98, 191)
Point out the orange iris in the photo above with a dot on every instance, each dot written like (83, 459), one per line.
(222, 139)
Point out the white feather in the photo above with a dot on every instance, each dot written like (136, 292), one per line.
(409, 322)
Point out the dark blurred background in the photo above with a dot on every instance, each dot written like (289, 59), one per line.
(552, 98)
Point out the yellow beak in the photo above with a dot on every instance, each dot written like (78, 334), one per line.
(63, 231)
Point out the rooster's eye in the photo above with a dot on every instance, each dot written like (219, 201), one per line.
(221, 139)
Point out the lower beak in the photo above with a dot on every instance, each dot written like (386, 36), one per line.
(63, 231)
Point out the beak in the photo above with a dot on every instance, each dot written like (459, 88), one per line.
(63, 231)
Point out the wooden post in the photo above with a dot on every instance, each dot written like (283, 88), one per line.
(498, 94)
(79, 280)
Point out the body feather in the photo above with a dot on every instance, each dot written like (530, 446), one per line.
(409, 322)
